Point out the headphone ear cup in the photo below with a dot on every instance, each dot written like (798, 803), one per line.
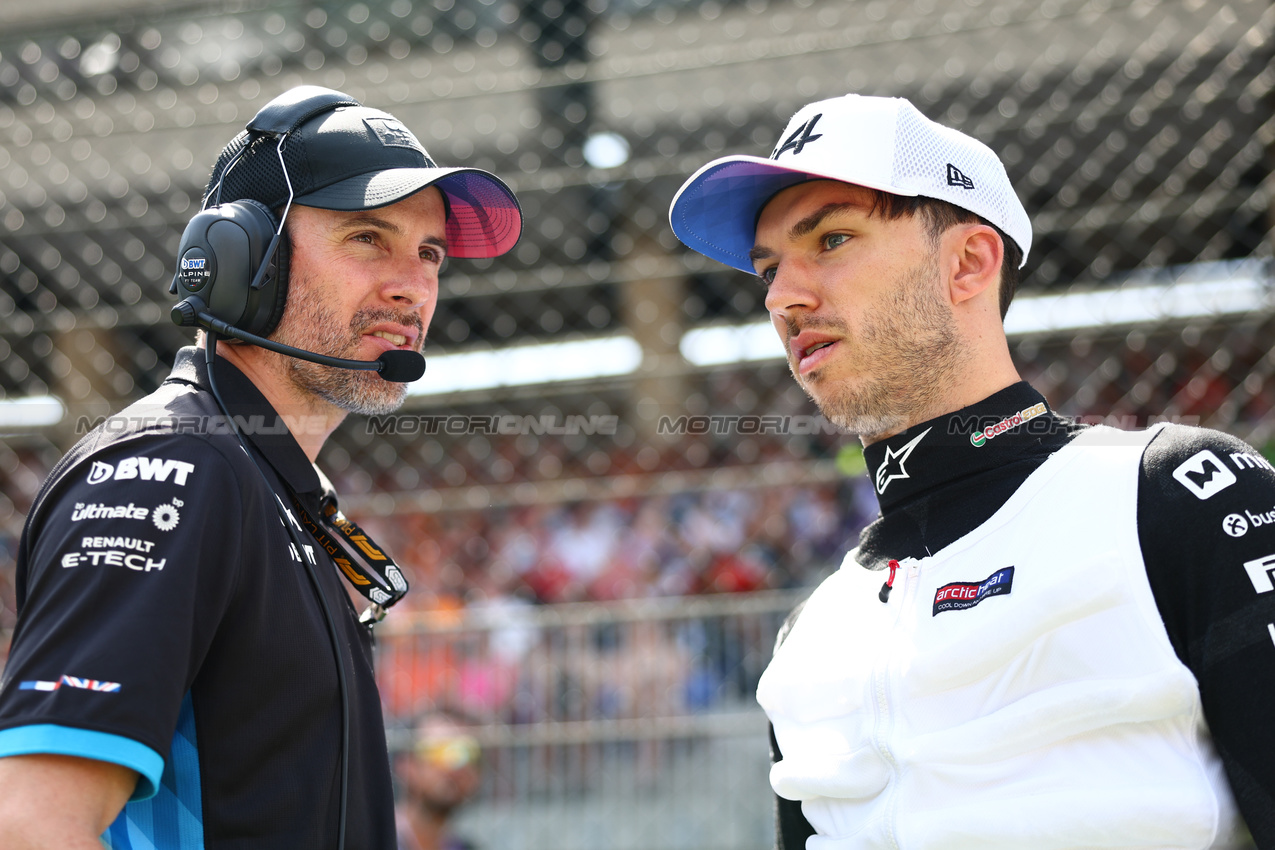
(282, 260)
(264, 306)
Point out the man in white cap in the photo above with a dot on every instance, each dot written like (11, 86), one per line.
(1052, 636)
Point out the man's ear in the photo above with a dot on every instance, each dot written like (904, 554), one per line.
(975, 262)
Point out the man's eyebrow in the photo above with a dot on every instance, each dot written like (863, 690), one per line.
(810, 222)
(389, 227)
(805, 226)
(366, 220)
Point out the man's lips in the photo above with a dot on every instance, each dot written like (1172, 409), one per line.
(393, 337)
(810, 350)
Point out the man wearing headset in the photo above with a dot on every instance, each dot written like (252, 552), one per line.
(187, 670)
(1052, 636)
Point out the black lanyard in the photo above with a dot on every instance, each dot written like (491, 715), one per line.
(364, 564)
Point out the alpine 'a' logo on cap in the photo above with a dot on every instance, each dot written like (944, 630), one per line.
(802, 136)
(393, 134)
(955, 177)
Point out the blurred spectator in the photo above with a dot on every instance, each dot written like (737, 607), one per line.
(439, 776)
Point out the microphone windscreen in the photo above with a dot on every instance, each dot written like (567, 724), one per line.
(401, 367)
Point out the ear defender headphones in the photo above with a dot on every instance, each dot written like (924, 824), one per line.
(233, 257)
(222, 250)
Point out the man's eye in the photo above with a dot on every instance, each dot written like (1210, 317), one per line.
(768, 275)
(832, 240)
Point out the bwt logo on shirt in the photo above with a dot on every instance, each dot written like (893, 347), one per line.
(145, 468)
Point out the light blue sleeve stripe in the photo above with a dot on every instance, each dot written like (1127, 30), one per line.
(69, 741)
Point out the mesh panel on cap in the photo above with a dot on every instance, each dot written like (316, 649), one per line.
(922, 155)
(256, 175)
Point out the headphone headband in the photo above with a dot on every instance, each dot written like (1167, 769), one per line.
(296, 106)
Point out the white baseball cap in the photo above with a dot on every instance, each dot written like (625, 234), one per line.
(882, 143)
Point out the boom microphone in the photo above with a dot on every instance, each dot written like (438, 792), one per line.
(400, 367)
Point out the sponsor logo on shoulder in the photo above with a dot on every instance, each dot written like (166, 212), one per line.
(1259, 573)
(966, 594)
(1204, 474)
(1235, 525)
(70, 682)
(144, 468)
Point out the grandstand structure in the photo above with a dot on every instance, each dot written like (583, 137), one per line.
(606, 416)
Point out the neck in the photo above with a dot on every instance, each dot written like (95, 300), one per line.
(309, 419)
(428, 828)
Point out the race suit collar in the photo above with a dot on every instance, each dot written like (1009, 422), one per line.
(1002, 428)
(259, 423)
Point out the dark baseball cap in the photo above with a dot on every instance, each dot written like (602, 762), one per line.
(352, 157)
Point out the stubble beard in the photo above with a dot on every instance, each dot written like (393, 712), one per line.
(311, 326)
(915, 353)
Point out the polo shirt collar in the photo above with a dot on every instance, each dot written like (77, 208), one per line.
(244, 401)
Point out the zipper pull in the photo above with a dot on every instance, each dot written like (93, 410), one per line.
(884, 595)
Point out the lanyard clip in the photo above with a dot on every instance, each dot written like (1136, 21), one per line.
(373, 614)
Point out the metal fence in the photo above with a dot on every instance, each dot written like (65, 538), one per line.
(626, 724)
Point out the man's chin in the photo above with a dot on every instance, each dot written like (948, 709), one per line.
(372, 395)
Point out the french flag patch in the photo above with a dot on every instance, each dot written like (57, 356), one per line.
(70, 681)
(966, 594)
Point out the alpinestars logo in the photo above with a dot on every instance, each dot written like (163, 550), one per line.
(955, 177)
(892, 468)
(802, 136)
(1204, 474)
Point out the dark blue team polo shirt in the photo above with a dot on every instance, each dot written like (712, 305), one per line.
(167, 624)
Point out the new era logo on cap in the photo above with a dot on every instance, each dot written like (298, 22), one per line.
(956, 178)
(880, 143)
